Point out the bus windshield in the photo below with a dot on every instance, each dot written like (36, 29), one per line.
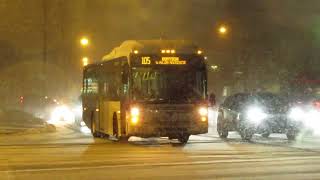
(168, 84)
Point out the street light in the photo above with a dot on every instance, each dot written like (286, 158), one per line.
(85, 61)
(84, 41)
(223, 30)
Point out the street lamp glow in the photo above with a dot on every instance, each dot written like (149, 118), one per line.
(85, 61)
(84, 41)
(223, 30)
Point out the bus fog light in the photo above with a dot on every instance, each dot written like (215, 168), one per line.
(135, 111)
(134, 120)
(203, 119)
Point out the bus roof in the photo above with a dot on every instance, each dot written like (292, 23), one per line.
(150, 46)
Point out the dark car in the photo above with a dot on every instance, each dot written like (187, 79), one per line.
(263, 113)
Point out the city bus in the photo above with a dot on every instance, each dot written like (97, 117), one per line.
(147, 88)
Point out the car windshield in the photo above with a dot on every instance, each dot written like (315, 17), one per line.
(272, 102)
(168, 85)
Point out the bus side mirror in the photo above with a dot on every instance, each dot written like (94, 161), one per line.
(125, 73)
(124, 78)
(212, 99)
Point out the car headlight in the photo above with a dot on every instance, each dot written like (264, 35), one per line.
(135, 112)
(61, 115)
(296, 114)
(256, 115)
(203, 111)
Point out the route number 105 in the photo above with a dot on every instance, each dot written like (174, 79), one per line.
(145, 60)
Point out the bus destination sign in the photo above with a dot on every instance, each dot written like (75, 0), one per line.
(146, 60)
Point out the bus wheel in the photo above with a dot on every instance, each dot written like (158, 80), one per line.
(93, 126)
(123, 139)
(183, 139)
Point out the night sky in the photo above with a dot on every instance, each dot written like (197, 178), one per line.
(264, 37)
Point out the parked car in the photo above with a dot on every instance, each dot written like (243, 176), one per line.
(263, 113)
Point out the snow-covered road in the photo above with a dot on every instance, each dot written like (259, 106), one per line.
(68, 154)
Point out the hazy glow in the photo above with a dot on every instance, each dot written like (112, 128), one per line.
(135, 111)
(85, 61)
(85, 130)
(203, 111)
(296, 114)
(82, 123)
(61, 115)
(256, 115)
(84, 41)
(214, 67)
(223, 30)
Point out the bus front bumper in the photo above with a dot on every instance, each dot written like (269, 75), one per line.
(168, 129)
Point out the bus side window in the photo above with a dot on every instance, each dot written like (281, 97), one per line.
(111, 86)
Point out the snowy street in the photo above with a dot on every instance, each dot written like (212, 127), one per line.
(70, 154)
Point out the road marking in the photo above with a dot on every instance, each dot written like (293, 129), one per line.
(277, 159)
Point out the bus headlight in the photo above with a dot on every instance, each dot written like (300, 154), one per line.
(135, 112)
(203, 111)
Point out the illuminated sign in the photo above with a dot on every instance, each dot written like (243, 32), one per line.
(171, 60)
(146, 60)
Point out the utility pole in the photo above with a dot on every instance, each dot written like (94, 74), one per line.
(45, 48)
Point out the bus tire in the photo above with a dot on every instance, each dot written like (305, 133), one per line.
(183, 139)
(93, 126)
(123, 139)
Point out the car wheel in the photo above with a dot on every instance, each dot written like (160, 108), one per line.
(246, 132)
(291, 135)
(221, 129)
(265, 134)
